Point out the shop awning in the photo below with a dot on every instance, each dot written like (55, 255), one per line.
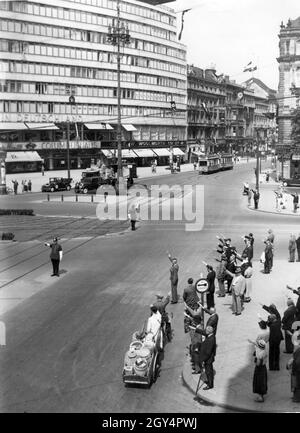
(29, 156)
(177, 151)
(198, 153)
(98, 126)
(128, 153)
(41, 126)
(10, 126)
(162, 152)
(144, 153)
(129, 127)
(108, 153)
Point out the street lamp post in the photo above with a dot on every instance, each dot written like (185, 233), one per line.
(257, 161)
(117, 35)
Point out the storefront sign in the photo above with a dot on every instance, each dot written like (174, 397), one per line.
(52, 145)
(39, 118)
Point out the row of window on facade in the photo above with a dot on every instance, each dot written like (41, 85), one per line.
(88, 109)
(290, 47)
(81, 16)
(205, 88)
(22, 27)
(91, 73)
(92, 55)
(142, 133)
(91, 36)
(88, 91)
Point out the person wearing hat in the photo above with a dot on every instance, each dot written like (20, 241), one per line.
(211, 321)
(268, 256)
(247, 271)
(161, 304)
(174, 278)
(230, 267)
(207, 356)
(294, 366)
(154, 321)
(238, 287)
(287, 322)
(264, 333)
(55, 255)
(210, 277)
(274, 342)
(297, 292)
(260, 377)
(221, 276)
(190, 296)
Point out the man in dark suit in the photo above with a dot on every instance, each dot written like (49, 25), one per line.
(274, 342)
(297, 292)
(211, 276)
(287, 321)
(211, 321)
(231, 267)
(207, 356)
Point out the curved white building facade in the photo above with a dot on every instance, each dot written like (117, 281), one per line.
(53, 49)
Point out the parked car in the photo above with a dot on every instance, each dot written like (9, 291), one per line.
(57, 184)
(295, 181)
(87, 184)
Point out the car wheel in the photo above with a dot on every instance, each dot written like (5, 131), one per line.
(85, 190)
(68, 188)
(52, 189)
(284, 183)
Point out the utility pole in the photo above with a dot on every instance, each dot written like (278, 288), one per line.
(68, 148)
(3, 190)
(117, 35)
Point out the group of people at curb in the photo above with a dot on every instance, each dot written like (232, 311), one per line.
(267, 346)
(26, 186)
(234, 273)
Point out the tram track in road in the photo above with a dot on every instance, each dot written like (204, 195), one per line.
(32, 256)
(44, 262)
(35, 246)
(42, 235)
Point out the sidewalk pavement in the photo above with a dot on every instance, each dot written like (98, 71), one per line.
(142, 172)
(38, 179)
(267, 202)
(234, 362)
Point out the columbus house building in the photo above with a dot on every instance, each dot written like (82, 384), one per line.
(52, 50)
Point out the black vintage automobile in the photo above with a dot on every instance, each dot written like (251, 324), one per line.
(57, 184)
(90, 182)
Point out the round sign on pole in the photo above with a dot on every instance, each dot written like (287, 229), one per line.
(201, 285)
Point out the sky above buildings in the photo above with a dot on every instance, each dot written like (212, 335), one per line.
(231, 33)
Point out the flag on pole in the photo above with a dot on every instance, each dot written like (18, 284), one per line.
(182, 21)
(249, 67)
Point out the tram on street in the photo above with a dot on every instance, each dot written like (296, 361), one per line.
(213, 163)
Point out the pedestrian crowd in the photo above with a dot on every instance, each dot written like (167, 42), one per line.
(282, 199)
(234, 277)
(26, 185)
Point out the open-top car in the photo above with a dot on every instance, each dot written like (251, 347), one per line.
(57, 184)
